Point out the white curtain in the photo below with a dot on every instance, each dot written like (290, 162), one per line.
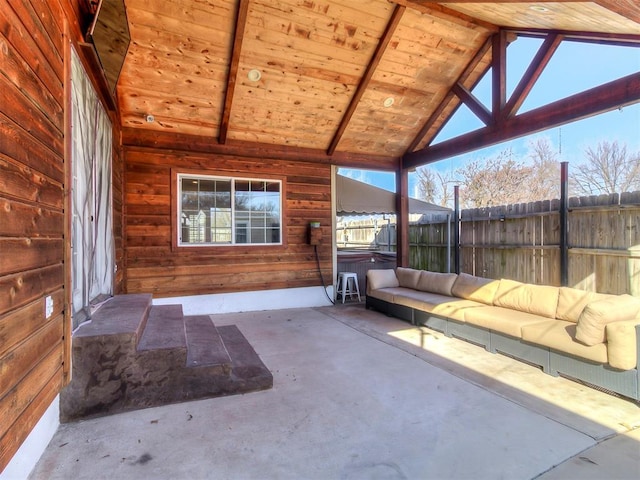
(92, 239)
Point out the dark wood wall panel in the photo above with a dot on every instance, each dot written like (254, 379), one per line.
(33, 240)
(27, 219)
(23, 323)
(32, 237)
(118, 206)
(40, 53)
(18, 144)
(152, 265)
(29, 416)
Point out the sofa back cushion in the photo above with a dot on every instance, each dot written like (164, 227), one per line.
(536, 299)
(571, 302)
(436, 282)
(408, 277)
(383, 278)
(621, 344)
(596, 315)
(475, 288)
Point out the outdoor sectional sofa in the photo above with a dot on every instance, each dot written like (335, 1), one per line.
(590, 337)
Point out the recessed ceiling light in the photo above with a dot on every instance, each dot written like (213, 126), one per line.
(388, 102)
(539, 8)
(150, 118)
(254, 75)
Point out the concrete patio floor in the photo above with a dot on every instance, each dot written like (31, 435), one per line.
(358, 395)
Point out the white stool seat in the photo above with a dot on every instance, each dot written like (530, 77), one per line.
(348, 285)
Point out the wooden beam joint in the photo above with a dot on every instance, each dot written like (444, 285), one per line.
(531, 76)
(473, 103)
(618, 93)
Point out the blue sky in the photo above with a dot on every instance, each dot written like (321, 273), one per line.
(574, 67)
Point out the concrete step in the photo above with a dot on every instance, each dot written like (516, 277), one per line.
(164, 330)
(135, 355)
(248, 373)
(204, 344)
(122, 315)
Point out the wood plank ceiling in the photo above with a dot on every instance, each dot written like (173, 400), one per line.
(361, 77)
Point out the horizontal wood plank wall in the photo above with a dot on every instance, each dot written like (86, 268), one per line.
(117, 173)
(31, 216)
(152, 266)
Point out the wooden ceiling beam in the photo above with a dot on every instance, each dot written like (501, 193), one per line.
(468, 70)
(475, 105)
(393, 23)
(180, 142)
(498, 74)
(531, 76)
(238, 37)
(618, 93)
(614, 39)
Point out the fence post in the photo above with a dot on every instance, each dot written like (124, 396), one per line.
(564, 231)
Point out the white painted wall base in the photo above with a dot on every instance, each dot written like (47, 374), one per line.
(33, 447)
(250, 301)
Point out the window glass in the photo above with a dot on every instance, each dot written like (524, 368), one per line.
(217, 211)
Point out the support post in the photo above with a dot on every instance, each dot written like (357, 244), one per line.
(448, 243)
(456, 229)
(402, 217)
(564, 230)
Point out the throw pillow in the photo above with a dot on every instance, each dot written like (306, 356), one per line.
(596, 315)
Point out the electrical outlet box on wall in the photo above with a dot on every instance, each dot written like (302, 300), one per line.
(315, 233)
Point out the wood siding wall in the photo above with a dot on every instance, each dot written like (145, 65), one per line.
(33, 240)
(153, 267)
(32, 181)
(117, 185)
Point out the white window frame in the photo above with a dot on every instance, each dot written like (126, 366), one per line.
(181, 176)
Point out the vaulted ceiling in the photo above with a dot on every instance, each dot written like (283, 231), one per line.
(375, 78)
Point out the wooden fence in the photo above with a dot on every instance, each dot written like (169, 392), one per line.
(369, 233)
(521, 242)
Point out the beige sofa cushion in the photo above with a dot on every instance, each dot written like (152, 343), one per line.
(503, 320)
(571, 302)
(475, 288)
(386, 294)
(436, 282)
(525, 297)
(455, 308)
(596, 315)
(621, 344)
(381, 279)
(408, 277)
(424, 301)
(560, 335)
(432, 302)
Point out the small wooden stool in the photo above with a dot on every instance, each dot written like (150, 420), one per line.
(347, 285)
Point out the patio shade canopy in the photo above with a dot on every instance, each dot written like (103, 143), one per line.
(357, 198)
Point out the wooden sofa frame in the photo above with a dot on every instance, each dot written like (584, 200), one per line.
(552, 362)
